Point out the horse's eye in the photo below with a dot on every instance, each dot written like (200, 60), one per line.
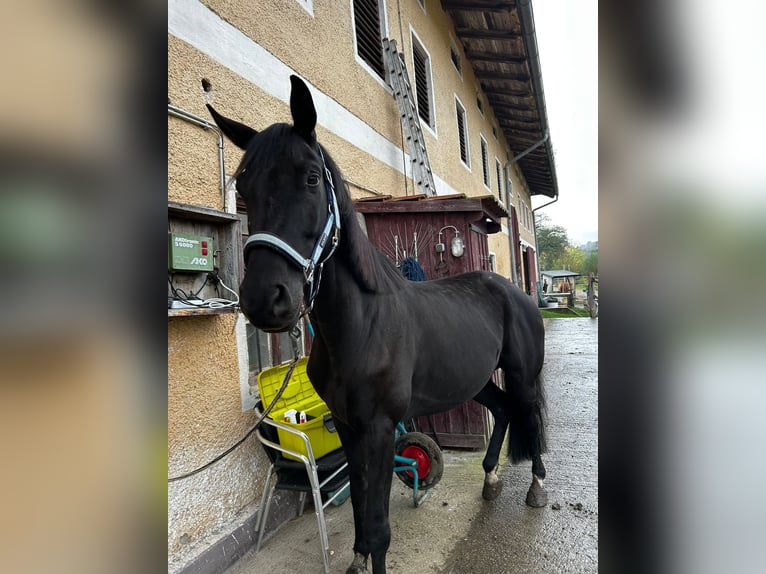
(313, 179)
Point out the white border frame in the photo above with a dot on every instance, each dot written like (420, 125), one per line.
(383, 34)
(466, 134)
(485, 174)
(432, 89)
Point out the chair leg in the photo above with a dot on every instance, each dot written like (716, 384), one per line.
(319, 511)
(301, 503)
(263, 512)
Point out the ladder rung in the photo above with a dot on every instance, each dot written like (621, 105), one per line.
(402, 90)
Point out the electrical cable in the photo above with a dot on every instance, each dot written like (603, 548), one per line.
(210, 303)
(295, 336)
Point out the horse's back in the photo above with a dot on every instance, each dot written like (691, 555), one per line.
(463, 326)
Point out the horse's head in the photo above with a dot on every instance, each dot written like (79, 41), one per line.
(292, 212)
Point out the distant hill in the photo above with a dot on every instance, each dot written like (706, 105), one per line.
(590, 246)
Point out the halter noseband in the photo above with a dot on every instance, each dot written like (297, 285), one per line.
(311, 266)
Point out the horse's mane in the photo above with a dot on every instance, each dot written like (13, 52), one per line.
(371, 269)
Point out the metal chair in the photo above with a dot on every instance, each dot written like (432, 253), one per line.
(327, 476)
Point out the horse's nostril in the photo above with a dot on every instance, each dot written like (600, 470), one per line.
(280, 301)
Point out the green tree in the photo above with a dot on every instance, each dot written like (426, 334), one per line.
(590, 265)
(572, 259)
(552, 242)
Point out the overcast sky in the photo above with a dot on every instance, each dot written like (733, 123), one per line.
(567, 39)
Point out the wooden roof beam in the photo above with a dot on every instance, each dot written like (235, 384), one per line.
(511, 129)
(478, 7)
(495, 57)
(512, 118)
(499, 76)
(486, 34)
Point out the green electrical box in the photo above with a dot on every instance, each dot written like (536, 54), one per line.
(192, 253)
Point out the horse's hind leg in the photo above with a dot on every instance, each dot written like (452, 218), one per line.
(496, 400)
(536, 495)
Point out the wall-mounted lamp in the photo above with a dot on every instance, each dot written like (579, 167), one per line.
(457, 245)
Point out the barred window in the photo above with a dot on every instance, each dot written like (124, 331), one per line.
(462, 133)
(485, 162)
(368, 27)
(499, 171)
(423, 88)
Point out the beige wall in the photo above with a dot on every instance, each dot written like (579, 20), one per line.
(204, 414)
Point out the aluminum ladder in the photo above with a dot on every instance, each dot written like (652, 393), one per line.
(400, 84)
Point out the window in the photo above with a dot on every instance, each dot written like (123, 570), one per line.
(454, 55)
(480, 105)
(494, 131)
(422, 4)
(462, 133)
(368, 28)
(423, 89)
(499, 172)
(509, 188)
(265, 350)
(307, 5)
(485, 163)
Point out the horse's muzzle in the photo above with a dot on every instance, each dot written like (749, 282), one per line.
(270, 306)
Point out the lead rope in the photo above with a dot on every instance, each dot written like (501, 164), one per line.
(295, 335)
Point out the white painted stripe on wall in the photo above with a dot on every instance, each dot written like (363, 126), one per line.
(195, 24)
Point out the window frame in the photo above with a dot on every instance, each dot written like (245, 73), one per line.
(486, 179)
(454, 51)
(499, 174)
(460, 111)
(417, 44)
(383, 20)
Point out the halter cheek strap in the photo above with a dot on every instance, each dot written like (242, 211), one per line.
(311, 266)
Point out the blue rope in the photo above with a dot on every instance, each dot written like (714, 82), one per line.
(412, 270)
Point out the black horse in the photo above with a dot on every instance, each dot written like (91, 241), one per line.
(386, 349)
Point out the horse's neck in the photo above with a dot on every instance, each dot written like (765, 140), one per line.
(351, 281)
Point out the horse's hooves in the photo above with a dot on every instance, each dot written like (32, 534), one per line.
(491, 491)
(358, 566)
(536, 496)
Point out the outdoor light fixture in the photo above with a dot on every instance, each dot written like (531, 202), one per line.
(457, 245)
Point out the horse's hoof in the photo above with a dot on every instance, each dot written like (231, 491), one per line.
(536, 496)
(358, 566)
(491, 490)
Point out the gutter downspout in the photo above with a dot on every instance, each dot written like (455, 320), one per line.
(534, 228)
(202, 122)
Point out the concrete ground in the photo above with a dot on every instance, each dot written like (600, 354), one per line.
(457, 532)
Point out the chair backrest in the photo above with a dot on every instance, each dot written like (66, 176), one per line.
(269, 433)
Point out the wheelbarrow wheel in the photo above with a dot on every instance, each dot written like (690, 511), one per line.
(426, 452)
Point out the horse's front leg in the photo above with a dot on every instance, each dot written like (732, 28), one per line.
(356, 456)
(370, 453)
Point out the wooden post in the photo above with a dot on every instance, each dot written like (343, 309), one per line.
(592, 305)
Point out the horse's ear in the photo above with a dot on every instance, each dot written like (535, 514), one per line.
(238, 133)
(302, 108)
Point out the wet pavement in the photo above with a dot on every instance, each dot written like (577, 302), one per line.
(457, 532)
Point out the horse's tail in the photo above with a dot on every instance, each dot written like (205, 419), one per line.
(526, 431)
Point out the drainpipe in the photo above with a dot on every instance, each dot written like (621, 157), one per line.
(202, 122)
(534, 228)
(514, 248)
